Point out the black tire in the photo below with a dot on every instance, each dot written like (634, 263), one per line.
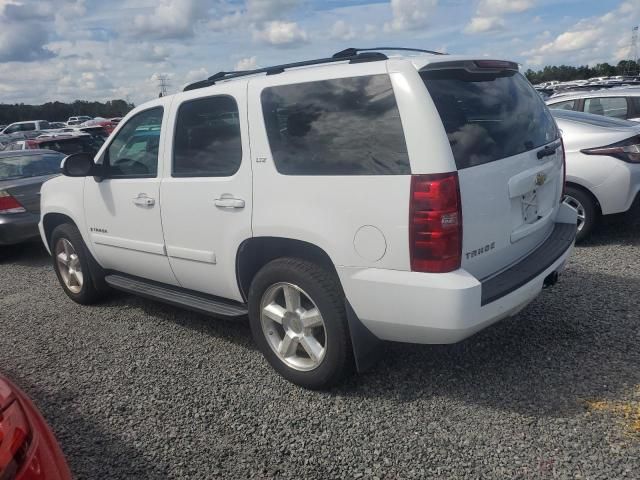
(591, 212)
(324, 289)
(93, 287)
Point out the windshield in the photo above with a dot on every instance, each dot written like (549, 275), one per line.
(21, 166)
(489, 116)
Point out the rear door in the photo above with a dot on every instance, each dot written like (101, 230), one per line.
(507, 151)
(206, 193)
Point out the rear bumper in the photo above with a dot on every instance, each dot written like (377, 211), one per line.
(446, 308)
(18, 227)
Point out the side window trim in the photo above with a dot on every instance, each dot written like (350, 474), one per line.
(105, 156)
(173, 173)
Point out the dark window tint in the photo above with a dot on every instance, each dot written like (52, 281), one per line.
(20, 166)
(615, 107)
(566, 105)
(134, 150)
(207, 138)
(348, 126)
(489, 116)
(74, 145)
(27, 127)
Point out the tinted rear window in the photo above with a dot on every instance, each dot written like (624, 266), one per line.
(346, 126)
(21, 166)
(489, 116)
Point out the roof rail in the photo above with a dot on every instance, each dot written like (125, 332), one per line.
(349, 52)
(355, 58)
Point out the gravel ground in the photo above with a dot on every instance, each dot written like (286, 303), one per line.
(136, 389)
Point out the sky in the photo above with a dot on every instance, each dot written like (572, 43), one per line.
(107, 49)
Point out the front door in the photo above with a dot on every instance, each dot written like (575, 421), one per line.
(123, 209)
(206, 195)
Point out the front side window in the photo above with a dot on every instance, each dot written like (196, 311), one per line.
(207, 138)
(12, 129)
(608, 106)
(133, 153)
(346, 126)
(28, 127)
(566, 105)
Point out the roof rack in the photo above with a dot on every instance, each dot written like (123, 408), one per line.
(355, 58)
(349, 52)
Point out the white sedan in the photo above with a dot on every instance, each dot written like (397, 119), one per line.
(603, 165)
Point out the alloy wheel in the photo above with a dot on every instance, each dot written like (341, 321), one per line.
(293, 326)
(575, 203)
(69, 265)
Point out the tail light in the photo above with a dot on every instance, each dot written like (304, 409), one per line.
(15, 438)
(8, 204)
(435, 223)
(627, 150)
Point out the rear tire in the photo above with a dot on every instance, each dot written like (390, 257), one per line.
(588, 214)
(71, 262)
(298, 319)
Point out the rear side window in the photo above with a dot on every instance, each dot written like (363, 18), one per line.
(615, 107)
(207, 138)
(347, 126)
(489, 116)
(566, 105)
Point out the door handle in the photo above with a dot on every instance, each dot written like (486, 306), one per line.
(143, 200)
(229, 202)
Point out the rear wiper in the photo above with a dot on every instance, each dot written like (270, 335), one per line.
(548, 151)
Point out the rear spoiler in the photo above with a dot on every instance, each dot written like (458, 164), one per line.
(473, 65)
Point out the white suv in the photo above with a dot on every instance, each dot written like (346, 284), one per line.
(337, 202)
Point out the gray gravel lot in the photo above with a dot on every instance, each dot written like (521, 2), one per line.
(137, 389)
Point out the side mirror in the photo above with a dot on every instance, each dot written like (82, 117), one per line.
(79, 165)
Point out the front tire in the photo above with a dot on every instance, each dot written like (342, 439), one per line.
(588, 214)
(298, 319)
(71, 263)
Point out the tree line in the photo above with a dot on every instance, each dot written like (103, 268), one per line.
(60, 112)
(566, 73)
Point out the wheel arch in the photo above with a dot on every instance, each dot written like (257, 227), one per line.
(254, 253)
(53, 219)
(588, 192)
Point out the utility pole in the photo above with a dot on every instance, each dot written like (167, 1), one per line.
(163, 84)
(630, 68)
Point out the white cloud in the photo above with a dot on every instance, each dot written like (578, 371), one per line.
(499, 7)
(410, 14)
(342, 30)
(248, 63)
(196, 75)
(489, 14)
(170, 19)
(281, 34)
(484, 24)
(269, 9)
(591, 40)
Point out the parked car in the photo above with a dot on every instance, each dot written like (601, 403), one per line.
(77, 120)
(22, 173)
(58, 124)
(603, 165)
(28, 447)
(67, 144)
(623, 103)
(338, 202)
(31, 128)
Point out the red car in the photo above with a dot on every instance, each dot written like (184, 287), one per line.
(28, 448)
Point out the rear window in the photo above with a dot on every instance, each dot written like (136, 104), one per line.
(20, 166)
(346, 126)
(489, 116)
